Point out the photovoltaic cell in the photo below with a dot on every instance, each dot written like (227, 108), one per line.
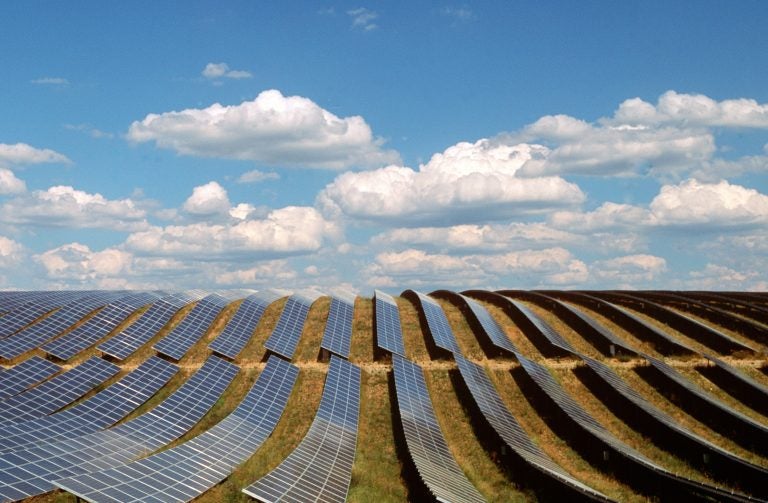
(338, 329)
(426, 443)
(438, 324)
(99, 326)
(29, 472)
(320, 468)
(125, 343)
(53, 325)
(98, 412)
(549, 385)
(240, 328)
(190, 469)
(542, 326)
(27, 373)
(389, 332)
(506, 426)
(192, 328)
(58, 392)
(285, 337)
(489, 324)
(35, 308)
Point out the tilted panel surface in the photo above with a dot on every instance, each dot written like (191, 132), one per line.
(188, 470)
(506, 426)
(48, 328)
(337, 336)
(426, 443)
(389, 332)
(439, 327)
(240, 328)
(99, 326)
(192, 328)
(125, 343)
(98, 412)
(57, 392)
(489, 324)
(542, 326)
(285, 337)
(29, 472)
(320, 468)
(24, 375)
(549, 385)
(34, 309)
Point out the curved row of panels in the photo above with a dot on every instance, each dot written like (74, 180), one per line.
(78, 449)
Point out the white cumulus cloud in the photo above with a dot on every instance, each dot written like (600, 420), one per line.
(629, 271)
(21, 153)
(222, 70)
(285, 231)
(208, 199)
(64, 206)
(468, 182)
(256, 176)
(692, 203)
(273, 129)
(11, 252)
(9, 184)
(76, 261)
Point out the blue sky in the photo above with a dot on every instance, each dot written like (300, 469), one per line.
(384, 145)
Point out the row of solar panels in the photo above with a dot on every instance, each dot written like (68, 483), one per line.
(387, 338)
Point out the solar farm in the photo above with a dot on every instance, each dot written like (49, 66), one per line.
(471, 396)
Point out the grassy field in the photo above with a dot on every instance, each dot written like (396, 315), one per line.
(378, 469)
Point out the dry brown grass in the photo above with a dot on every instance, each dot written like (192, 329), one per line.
(361, 348)
(577, 341)
(413, 338)
(488, 478)
(308, 348)
(523, 344)
(555, 447)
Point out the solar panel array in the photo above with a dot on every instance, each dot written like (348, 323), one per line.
(285, 337)
(189, 469)
(337, 336)
(125, 343)
(34, 308)
(53, 325)
(320, 468)
(99, 326)
(389, 333)
(99, 411)
(57, 392)
(192, 328)
(489, 324)
(27, 373)
(426, 443)
(31, 471)
(506, 426)
(438, 324)
(240, 328)
(552, 335)
(547, 383)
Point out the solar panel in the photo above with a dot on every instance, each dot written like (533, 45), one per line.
(285, 337)
(320, 468)
(389, 332)
(27, 373)
(489, 324)
(337, 336)
(34, 308)
(58, 392)
(48, 328)
(99, 326)
(125, 343)
(439, 328)
(589, 425)
(426, 444)
(98, 412)
(506, 426)
(192, 328)
(240, 328)
(606, 334)
(188, 470)
(29, 472)
(542, 326)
